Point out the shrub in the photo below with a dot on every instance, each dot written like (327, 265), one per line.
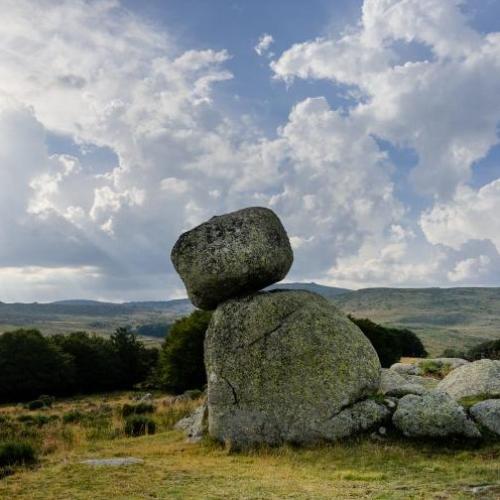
(47, 400)
(138, 409)
(16, 453)
(453, 353)
(139, 425)
(39, 420)
(37, 404)
(98, 426)
(193, 394)
(488, 350)
(181, 365)
(73, 416)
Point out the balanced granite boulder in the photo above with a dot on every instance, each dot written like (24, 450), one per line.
(480, 378)
(232, 255)
(281, 366)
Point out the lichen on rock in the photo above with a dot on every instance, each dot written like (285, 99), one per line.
(434, 414)
(281, 365)
(480, 378)
(231, 255)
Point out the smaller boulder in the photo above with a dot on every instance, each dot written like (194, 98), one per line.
(194, 425)
(427, 382)
(112, 462)
(487, 414)
(434, 414)
(146, 398)
(405, 368)
(394, 384)
(478, 379)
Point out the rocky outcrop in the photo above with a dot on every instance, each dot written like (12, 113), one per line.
(281, 365)
(480, 378)
(434, 414)
(288, 366)
(487, 414)
(231, 255)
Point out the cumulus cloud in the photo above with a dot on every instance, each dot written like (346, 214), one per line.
(443, 103)
(262, 47)
(473, 267)
(446, 106)
(470, 215)
(100, 76)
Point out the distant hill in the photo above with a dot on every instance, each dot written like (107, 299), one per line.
(327, 291)
(442, 317)
(93, 316)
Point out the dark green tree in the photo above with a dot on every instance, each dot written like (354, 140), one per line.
(390, 343)
(132, 357)
(410, 344)
(31, 365)
(95, 361)
(181, 365)
(489, 350)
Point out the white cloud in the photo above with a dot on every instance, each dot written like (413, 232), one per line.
(262, 47)
(471, 215)
(446, 107)
(101, 76)
(466, 269)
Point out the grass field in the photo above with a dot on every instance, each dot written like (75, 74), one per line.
(456, 318)
(172, 468)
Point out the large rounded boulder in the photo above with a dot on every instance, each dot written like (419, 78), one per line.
(231, 255)
(281, 366)
(480, 378)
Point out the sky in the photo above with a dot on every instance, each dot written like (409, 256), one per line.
(372, 128)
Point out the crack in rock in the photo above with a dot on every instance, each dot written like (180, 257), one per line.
(270, 332)
(236, 400)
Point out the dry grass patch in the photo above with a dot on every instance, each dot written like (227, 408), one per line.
(172, 468)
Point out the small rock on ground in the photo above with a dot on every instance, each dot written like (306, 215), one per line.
(112, 462)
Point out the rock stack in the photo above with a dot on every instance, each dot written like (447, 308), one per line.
(282, 366)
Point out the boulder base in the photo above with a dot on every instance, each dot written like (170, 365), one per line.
(281, 365)
(232, 254)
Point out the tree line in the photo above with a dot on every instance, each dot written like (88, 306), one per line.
(78, 363)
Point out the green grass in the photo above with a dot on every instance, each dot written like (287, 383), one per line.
(359, 468)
